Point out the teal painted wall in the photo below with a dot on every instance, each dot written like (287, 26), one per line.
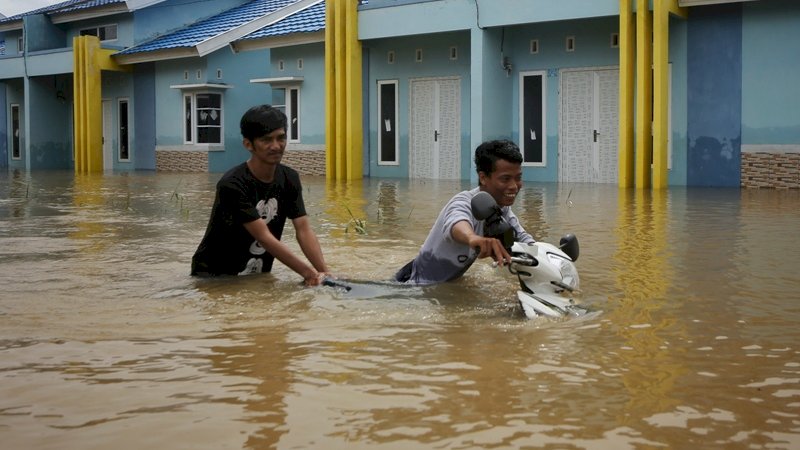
(237, 71)
(312, 89)
(435, 63)
(592, 49)
(714, 95)
(395, 18)
(12, 42)
(416, 19)
(143, 142)
(169, 101)
(4, 111)
(42, 34)
(124, 23)
(509, 12)
(116, 86)
(172, 15)
(49, 129)
(678, 140)
(494, 99)
(15, 94)
(497, 87)
(770, 72)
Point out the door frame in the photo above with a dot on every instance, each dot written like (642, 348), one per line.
(594, 114)
(108, 133)
(436, 125)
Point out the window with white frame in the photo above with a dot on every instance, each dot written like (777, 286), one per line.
(104, 32)
(202, 118)
(287, 99)
(388, 138)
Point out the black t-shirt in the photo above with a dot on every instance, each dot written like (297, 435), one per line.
(227, 248)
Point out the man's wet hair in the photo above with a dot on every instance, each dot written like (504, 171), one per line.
(487, 154)
(261, 120)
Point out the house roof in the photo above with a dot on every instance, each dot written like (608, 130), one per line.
(215, 32)
(306, 21)
(68, 11)
(304, 27)
(64, 7)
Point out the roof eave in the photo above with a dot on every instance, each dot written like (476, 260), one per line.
(215, 43)
(139, 4)
(286, 40)
(74, 16)
(11, 26)
(157, 55)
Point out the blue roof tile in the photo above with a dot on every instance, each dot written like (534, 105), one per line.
(205, 29)
(308, 20)
(67, 6)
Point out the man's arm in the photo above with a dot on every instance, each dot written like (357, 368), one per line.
(520, 234)
(258, 229)
(309, 243)
(462, 232)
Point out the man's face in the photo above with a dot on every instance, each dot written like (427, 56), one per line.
(504, 183)
(268, 149)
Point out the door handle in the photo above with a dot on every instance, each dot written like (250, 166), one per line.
(435, 135)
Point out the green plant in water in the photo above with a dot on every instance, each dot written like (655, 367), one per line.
(178, 200)
(359, 225)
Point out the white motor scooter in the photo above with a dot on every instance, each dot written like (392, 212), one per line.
(547, 274)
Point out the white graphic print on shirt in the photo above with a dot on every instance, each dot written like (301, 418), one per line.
(267, 210)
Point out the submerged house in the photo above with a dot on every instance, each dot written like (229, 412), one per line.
(708, 101)
(585, 91)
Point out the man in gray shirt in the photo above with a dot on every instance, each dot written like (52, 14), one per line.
(457, 238)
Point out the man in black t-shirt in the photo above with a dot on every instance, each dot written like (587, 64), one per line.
(252, 203)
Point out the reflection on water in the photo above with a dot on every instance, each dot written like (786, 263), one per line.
(106, 341)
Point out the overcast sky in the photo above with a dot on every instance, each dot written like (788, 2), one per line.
(13, 7)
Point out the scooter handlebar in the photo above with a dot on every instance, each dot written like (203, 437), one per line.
(521, 260)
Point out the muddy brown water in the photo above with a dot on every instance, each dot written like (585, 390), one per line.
(106, 342)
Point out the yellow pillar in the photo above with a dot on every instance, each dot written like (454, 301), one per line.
(330, 117)
(353, 92)
(343, 112)
(87, 109)
(89, 60)
(644, 93)
(338, 100)
(627, 83)
(660, 93)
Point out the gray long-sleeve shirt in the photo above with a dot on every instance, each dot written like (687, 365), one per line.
(441, 257)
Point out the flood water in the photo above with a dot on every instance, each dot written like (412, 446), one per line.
(106, 342)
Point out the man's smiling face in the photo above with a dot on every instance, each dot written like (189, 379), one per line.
(504, 183)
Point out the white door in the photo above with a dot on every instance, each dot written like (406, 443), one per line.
(108, 151)
(435, 134)
(589, 126)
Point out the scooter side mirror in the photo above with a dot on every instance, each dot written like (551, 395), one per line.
(483, 206)
(569, 245)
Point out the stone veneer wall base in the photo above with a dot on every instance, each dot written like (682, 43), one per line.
(305, 162)
(181, 161)
(773, 169)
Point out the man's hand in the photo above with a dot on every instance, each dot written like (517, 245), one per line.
(490, 247)
(314, 278)
(485, 246)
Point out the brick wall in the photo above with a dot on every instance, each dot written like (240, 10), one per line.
(770, 170)
(305, 162)
(181, 161)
